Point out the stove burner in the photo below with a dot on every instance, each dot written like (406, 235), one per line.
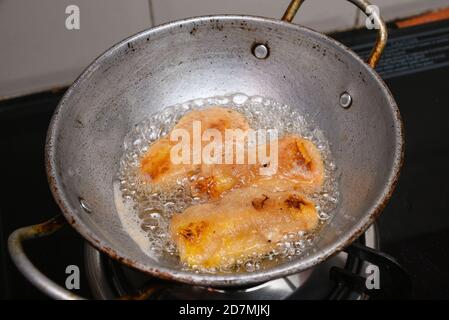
(109, 279)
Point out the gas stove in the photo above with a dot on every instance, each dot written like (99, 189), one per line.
(414, 227)
(109, 279)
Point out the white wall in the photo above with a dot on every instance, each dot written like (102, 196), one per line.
(37, 52)
(322, 15)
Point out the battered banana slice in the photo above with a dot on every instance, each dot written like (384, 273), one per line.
(243, 223)
(157, 165)
(300, 166)
(216, 179)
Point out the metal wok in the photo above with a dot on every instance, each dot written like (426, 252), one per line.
(209, 56)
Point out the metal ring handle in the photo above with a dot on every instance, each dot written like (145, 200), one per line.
(26, 267)
(36, 277)
(363, 5)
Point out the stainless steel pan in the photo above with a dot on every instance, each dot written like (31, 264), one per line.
(208, 56)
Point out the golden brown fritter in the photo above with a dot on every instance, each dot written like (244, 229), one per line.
(300, 166)
(157, 165)
(243, 223)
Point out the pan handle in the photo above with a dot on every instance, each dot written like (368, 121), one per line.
(26, 267)
(42, 282)
(363, 5)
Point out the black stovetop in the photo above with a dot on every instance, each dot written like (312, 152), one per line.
(414, 227)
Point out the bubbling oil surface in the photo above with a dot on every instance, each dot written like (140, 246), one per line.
(145, 211)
